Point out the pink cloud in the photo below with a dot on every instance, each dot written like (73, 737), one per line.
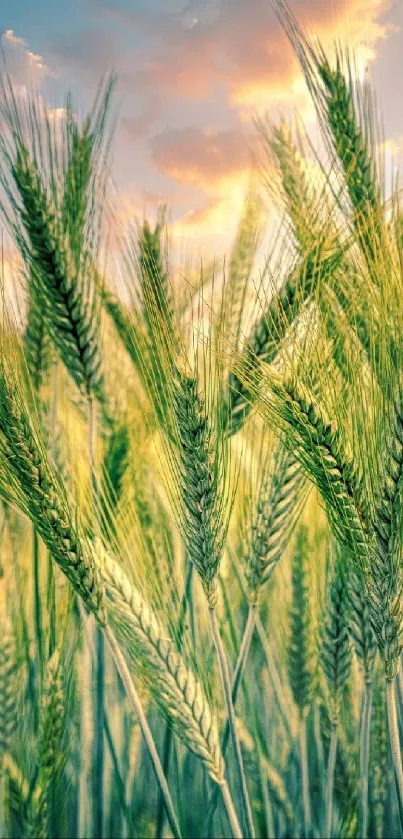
(193, 155)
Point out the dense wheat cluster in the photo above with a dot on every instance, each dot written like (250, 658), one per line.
(201, 491)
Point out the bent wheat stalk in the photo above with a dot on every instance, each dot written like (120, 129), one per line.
(135, 702)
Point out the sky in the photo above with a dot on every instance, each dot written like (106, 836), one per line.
(191, 77)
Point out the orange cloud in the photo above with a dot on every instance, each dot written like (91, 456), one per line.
(243, 48)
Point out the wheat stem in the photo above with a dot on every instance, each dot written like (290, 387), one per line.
(236, 682)
(51, 587)
(99, 704)
(2, 805)
(364, 756)
(240, 667)
(330, 781)
(395, 741)
(320, 752)
(231, 812)
(306, 798)
(121, 787)
(226, 686)
(169, 732)
(274, 676)
(145, 729)
(37, 599)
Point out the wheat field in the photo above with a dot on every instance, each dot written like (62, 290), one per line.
(201, 481)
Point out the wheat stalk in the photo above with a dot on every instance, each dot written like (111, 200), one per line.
(50, 756)
(379, 756)
(364, 642)
(301, 657)
(336, 661)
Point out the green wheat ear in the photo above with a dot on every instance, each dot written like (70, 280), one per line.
(302, 665)
(50, 752)
(154, 279)
(352, 150)
(8, 688)
(361, 630)
(68, 307)
(277, 508)
(335, 648)
(301, 203)
(175, 687)
(386, 579)
(17, 792)
(76, 186)
(27, 479)
(200, 477)
(240, 265)
(114, 467)
(37, 346)
(271, 329)
(163, 343)
(338, 105)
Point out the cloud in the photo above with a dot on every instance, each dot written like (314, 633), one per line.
(243, 47)
(227, 55)
(24, 66)
(201, 157)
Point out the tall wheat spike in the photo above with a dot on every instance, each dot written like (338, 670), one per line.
(360, 626)
(175, 687)
(70, 315)
(333, 93)
(323, 451)
(200, 484)
(341, 299)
